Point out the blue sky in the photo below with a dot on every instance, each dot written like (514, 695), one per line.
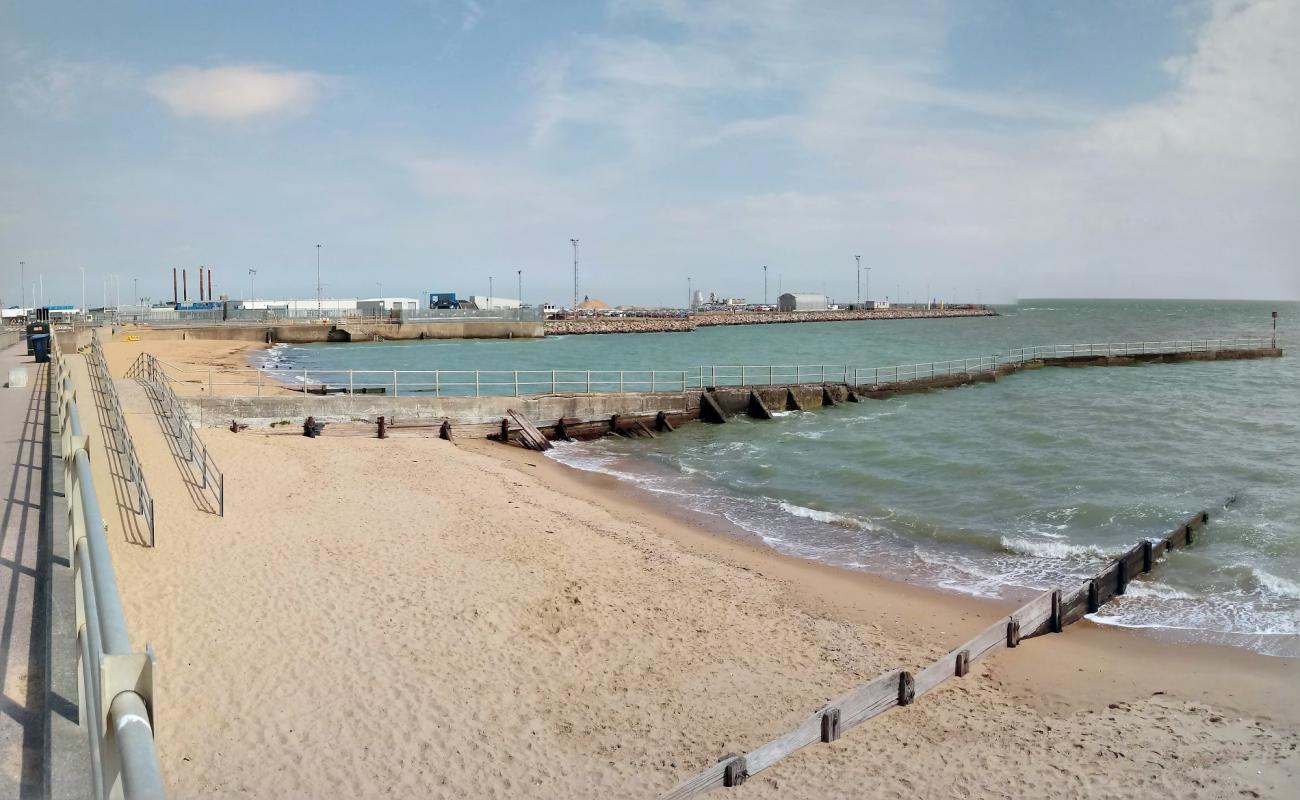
(995, 149)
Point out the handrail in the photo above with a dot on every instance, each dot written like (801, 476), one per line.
(115, 691)
(504, 383)
(121, 433)
(148, 370)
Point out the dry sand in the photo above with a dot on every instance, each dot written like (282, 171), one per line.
(410, 618)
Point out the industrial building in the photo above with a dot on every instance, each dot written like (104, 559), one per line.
(803, 301)
(380, 306)
(485, 303)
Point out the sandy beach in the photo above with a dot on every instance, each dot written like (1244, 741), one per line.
(408, 617)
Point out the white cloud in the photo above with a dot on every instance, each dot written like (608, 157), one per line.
(236, 92)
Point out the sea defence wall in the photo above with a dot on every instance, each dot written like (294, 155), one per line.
(345, 332)
(581, 415)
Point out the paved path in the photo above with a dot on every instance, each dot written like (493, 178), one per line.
(23, 580)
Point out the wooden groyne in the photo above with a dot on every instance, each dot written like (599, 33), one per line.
(1050, 612)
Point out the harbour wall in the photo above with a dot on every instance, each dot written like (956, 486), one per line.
(345, 332)
(597, 414)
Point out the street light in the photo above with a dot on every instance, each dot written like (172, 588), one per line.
(764, 284)
(575, 274)
(252, 273)
(489, 297)
(319, 310)
(868, 297)
(22, 285)
(690, 300)
(520, 274)
(859, 260)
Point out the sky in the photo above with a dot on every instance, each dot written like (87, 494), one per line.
(980, 150)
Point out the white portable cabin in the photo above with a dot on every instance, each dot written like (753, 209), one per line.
(803, 301)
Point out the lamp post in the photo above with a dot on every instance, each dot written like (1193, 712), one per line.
(489, 297)
(859, 260)
(764, 284)
(519, 274)
(319, 310)
(252, 273)
(83, 292)
(574, 242)
(135, 291)
(868, 295)
(22, 285)
(690, 300)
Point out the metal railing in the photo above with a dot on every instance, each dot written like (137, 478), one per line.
(115, 683)
(520, 383)
(148, 370)
(122, 441)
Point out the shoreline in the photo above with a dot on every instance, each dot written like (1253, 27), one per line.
(1128, 660)
(521, 627)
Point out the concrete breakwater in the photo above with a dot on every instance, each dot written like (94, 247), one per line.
(556, 327)
(369, 331)
(583, 415)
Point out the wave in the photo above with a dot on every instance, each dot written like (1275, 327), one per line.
(1273, 584)
(824, 517)
(1060, 550)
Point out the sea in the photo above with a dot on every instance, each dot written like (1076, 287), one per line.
(993, 489)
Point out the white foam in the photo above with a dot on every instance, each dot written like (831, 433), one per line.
(1026, 547)
(1276, 585)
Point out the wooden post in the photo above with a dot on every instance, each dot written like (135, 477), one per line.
(383, 428)
(562, 431)
(1121, 579)
(735, 773)
(830, 724)
(1013, 632)
(906, 688)
(1146, 555)
(444, 432)
(1056, 626)
(963, 664)
(613, 423)
(662, 423)
(1092, 597)
(505, 429)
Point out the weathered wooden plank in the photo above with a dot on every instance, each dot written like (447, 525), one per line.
(1135, 560)
(706, 781)
(991, 638)
(756, 408)
(937, 673)
(529, 435)
(1035, 617)
(868, 700)
(1074, 604)
(641, 426)
(1107, 583)
(807, 732)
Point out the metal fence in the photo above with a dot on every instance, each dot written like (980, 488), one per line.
(115, 683)
(162, 318)
(148, 370)
(122, 441)
(522, 383)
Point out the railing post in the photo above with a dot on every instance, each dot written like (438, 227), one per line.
(394, 383)
(589, 381)
(516, 383)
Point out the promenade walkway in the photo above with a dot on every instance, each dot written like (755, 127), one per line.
(24, 580)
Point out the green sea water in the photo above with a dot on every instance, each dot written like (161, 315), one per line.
(992, 489)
